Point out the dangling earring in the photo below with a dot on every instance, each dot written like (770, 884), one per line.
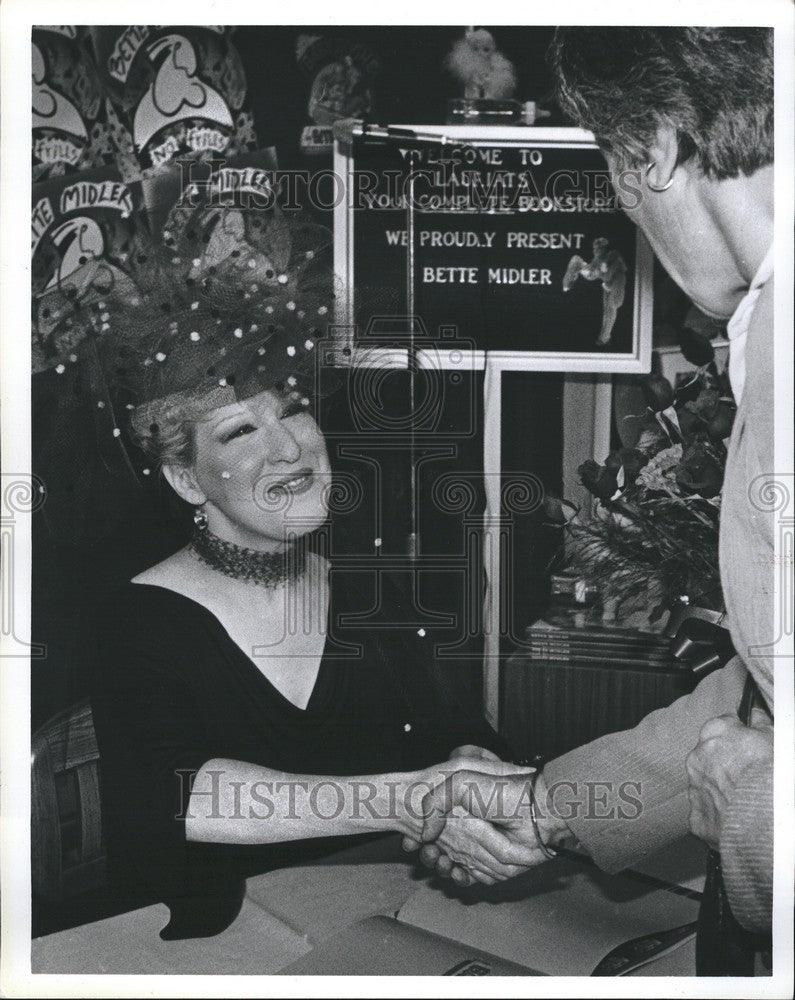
(654, 187)
(200, 519)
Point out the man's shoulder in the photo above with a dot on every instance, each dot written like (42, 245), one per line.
(760, 359)
(762, 317)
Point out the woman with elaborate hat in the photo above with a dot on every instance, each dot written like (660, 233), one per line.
(241, 722)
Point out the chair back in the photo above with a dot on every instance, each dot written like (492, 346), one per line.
(67, 850)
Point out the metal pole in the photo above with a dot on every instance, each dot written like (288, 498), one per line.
(413, 541)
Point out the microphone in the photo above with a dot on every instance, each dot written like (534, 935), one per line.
(348, 131)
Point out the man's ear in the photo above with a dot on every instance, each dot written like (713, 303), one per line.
(182, 480)
(663, 153)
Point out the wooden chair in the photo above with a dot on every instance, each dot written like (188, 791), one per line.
(67, 851)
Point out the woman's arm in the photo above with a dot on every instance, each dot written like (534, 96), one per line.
(235, 802)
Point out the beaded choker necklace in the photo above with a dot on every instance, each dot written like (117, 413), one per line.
(270, 569)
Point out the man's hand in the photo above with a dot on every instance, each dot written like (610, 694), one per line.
(725, 749)
(480, 825)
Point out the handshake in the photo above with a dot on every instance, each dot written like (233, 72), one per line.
(487, 821)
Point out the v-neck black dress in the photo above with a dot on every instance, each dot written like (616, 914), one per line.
(174, 690)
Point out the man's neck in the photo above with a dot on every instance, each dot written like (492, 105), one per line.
(742, 211)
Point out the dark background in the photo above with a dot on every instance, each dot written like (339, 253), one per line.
(411, 87)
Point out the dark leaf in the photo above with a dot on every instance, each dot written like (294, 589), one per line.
(602, 482)
(720, 426)
(705, 403)
(633, 461)
(658, 392)
(700, 471)
(696, 347)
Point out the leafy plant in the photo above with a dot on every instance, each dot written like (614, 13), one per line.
(655, 525)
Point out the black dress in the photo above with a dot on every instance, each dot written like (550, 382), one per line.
(174, 690)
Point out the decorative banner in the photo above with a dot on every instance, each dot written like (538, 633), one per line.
(69, 132)
(340, 74)
(520, 246)
(83, 230)
(173, 92)
(245, 182)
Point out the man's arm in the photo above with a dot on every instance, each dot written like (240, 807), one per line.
(626, 795)
(622, 796)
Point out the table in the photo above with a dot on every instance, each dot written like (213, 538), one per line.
(284, 915)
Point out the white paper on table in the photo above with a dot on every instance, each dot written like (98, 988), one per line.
(561, 918)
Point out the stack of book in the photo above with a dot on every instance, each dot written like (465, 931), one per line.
(598, 645)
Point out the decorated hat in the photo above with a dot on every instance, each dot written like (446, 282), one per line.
(225, 304)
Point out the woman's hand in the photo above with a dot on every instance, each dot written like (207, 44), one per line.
(466, 756)
(471, 752)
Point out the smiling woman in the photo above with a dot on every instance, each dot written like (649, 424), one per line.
(241, 723)
(245, 465)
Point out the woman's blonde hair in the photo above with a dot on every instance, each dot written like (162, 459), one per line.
(165, 430)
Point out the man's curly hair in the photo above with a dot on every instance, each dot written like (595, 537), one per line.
(713, 85)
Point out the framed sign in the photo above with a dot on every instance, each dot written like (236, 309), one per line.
(506, 242)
